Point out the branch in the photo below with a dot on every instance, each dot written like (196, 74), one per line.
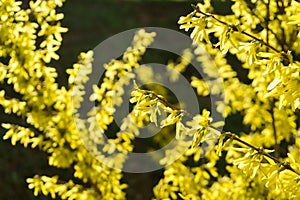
(259, 150)
(265, 25)
(267, 21)
(274, 128)
(168, 104)
(234, 28)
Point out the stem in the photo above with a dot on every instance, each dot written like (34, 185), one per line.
(259, 150)
(234, 28)
(276, 146)
(267, 21)
(168, 104)
(266, 25)
(281, 11)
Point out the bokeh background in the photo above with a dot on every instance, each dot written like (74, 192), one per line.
(91, 22)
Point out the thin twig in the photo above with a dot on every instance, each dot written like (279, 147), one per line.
(261, 151)
(168, 104)
(234, 28)
(281, 10)
(276, 145)
(267, 21)
(229, 134)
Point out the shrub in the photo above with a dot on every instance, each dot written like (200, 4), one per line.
(263, 35)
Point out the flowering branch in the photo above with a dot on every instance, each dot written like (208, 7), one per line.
(235, 28)
(233, 136)
(261, 151)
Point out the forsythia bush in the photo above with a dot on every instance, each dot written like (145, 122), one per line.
(261, 164)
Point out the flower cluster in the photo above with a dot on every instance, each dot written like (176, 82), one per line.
(264, 38)
(30, 38)
(262, 35)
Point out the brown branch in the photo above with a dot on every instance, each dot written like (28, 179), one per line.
(267, 21)
(261, 151)
(271, 111)
(234, 28)
(168, 104)
(228, 134)
(281, 11)
(251, 7)
(276, 146)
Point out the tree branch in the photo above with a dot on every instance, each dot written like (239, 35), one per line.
(234, 28)
(259, 150)
(276, 146)
(267, 21)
